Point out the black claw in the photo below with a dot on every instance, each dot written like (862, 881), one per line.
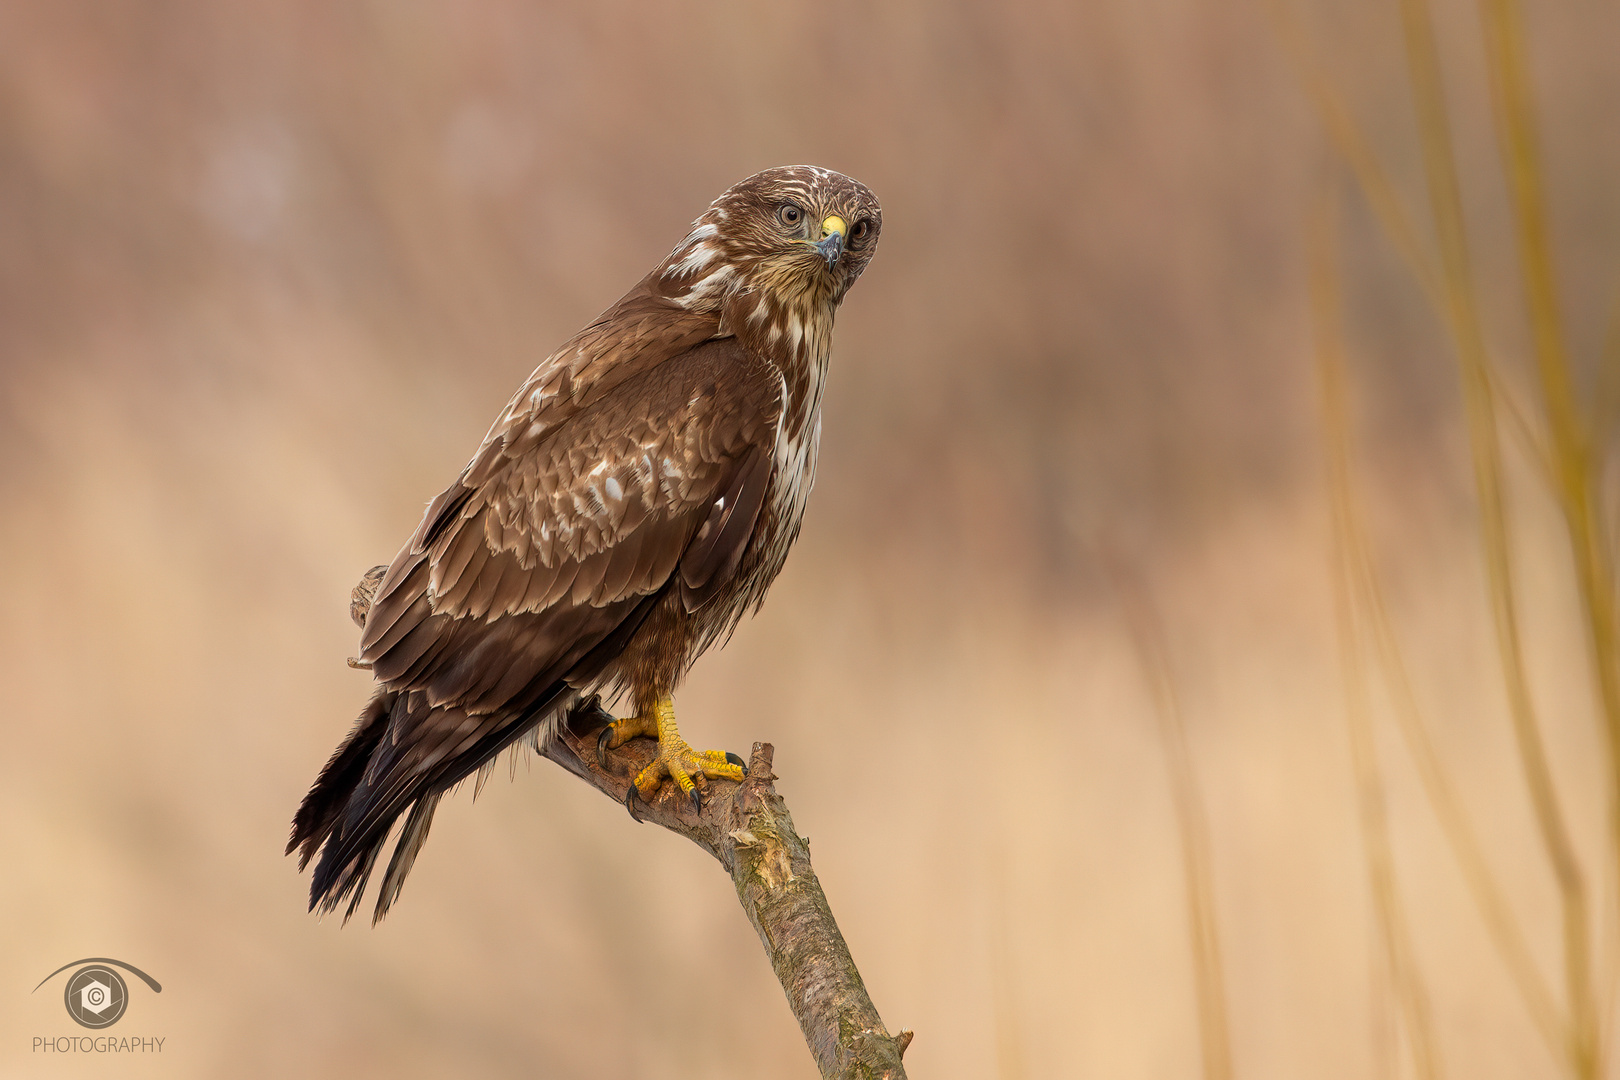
(735, 760)
(602, 746)
(630, 802)
(697, 801)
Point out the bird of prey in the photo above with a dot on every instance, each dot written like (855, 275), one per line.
(637, 496)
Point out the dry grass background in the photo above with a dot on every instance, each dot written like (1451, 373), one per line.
(268, 269)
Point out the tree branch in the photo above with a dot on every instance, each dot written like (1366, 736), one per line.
(748, 829)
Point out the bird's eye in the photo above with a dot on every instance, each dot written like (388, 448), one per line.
(790, 214)
(861, 230)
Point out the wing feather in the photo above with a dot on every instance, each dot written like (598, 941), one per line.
(408, 651)
(481, 594)
(541, 580)
(624, 556)
(561, 585)
(459, 549)
(397, 614)
(723, 536)
(591, 572)
(456, 596)
(427, 661)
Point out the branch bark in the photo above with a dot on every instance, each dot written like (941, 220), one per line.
(747, 828)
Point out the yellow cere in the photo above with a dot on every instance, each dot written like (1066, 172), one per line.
(834, 224)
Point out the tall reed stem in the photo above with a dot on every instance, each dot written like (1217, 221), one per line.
(1573, 460)
(1394, 935)
(1479, 407)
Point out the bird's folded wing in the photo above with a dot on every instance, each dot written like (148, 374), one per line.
(556, 527)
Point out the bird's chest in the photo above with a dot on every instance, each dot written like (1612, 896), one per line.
(797, 343)
(794, 473)
(793, 470)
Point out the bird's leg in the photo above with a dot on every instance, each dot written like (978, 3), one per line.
(689, 768)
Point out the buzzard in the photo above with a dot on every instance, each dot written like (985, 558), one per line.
(636, 497)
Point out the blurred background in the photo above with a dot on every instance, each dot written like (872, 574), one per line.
(268, 270)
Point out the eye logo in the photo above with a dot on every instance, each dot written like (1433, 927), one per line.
(96, 995)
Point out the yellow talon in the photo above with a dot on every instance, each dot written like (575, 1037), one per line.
(690, 769)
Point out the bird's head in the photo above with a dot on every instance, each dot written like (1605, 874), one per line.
(779, 249)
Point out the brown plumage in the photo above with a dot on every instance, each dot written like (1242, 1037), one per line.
(636, 497)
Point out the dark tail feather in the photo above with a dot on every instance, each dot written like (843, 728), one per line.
(318, 826)
(350, 882)
(348, 815)
(357, 799)
(411, 839)
(319, 812)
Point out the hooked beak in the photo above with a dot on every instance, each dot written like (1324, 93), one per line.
(831, 244)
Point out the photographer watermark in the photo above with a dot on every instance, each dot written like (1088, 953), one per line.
(96, 996)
